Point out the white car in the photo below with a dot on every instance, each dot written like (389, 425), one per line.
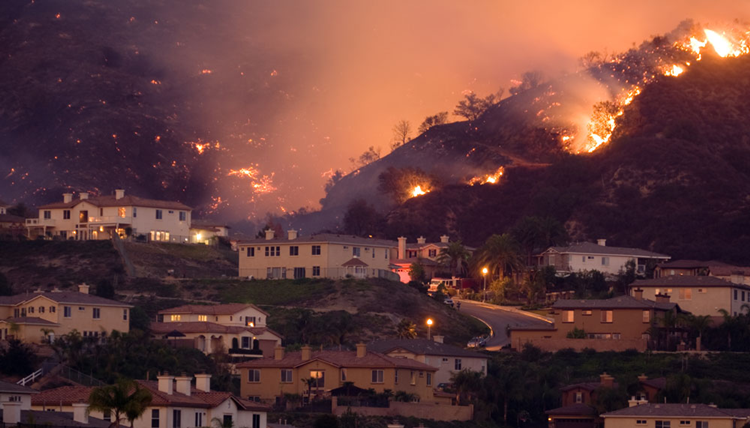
(448, 302)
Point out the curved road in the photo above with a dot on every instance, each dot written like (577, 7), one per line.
(498, 318)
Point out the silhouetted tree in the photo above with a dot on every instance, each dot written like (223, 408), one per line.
(369, 156)
(473, 106)
(17, 358)
(20, 210)
(104, 288)
(5, 288)
(401, 134)
(529, 80)
(126, 398)
(434, 120)
(454, 256)
(362, 219)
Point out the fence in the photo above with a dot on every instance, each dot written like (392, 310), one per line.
(78, 377)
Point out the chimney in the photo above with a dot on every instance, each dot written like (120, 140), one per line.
(81, 413)
(662, 298)
(269, 234)
(606, 380)
(636, 402)
(602, 242)
(83, 288)
(421, 240)
(638, 293)
(438, 339)
(361, 350)
(166, 383)
(291, 234)
(401, 247)
(306, 353)
(444, 239)
(183, 384)
(67, 197)
(642, 377)
(11, 412)
(278, 353)
(203, 382)
(83, 195)
(119, 193)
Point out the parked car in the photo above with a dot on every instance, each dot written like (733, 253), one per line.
(449, 302)
(473, 343)
(483, 341)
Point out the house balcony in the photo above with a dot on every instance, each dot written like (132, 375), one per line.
(40, 222)
(110, 220)
(246, 352)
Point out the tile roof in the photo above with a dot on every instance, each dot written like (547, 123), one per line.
(207, 327)
(125, 201)
(422, 347)
(619, 302)
(685, 281)
(573, 410)
(340, 359)
(324, 237)
(62, 297)
(15, 388)
(591, 248)
(226, 309)
(729, 270)
(354, 261)
(30, 321)
(690, 264)
(62, 396)
(10, 218)
(58, 419)
(658, 383)
(674, 409)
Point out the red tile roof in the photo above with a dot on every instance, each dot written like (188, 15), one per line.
(64, 395)
(206, 327)
(340, 359)
(125, 201)
(226, 309)
(72, 297)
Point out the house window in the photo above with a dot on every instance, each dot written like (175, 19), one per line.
(41, 309)
(605, 261)
(31, 309)
(377, 376)
(176, 418)
(343, 375)
(198, 419)
(586, 313)
(702, 290)
(135, 212)
(646, 316)
(183, 216)
(175, 317)
(107, 415)
(606, 316)
(294, 250)
(101, 212)
(395, 377)
(121, 212)
(432, 253)
(640, 422)
(246, 343)
(385, 253)
(684, 423)
(413, 378)
(253, 376)
(97, 313)
(286, 376)
(67, 312)
(662, 424)
(155, 418)
(743, 296)
(124, 314)
(735, 294)
(250, 321)
(356, 251)
(273, 251)
(251, 251)
(228, 421)
(316, 250)
(47, 215)
(81, 308)
(202, 317)
(256, 420)
(701, 424)
(158, 214)
(687, 293)
(66, 215)
(429, 379)
(316, 271)
(52, 309)
(457, 364)
(320, 378)
(299, 272)
(579, 397)
(568, 316)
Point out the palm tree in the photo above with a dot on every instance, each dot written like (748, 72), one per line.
(668, 322)
(125, 398)
(406, 329)
(500, 254)
(699, 324)
(454, 256)
(468, 384)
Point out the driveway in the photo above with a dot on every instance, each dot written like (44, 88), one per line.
(498, 318)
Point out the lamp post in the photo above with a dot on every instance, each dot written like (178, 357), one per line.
(429, 326)
(484, 293)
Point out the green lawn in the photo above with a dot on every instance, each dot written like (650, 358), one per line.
(272, 292)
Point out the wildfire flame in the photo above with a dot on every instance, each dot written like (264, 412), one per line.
(201, 146)
(488, 178)
(417, 191)
(260, 184)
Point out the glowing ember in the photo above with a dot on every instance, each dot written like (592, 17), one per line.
(417, 191)
(259, 184)
(155, 82)
(201, 146)
(676, 70)
(489, 178)
(206, 71)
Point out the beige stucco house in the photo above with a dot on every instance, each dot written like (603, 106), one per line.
(238, 328)
(721, 270)
(208, 233)
(324, 255)
(699, 295)
(586, 256)
(268, 379)
(100, 217)
(423, 252)
(674, 415)
(41, 316)
(447, 359)
(176, 403)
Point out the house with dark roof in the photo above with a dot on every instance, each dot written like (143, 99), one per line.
(699, 295)
(268, 379)
(578, 401)
(324, 255)
(616, 324)
(447, 359)
(673, 415)
(10, 225)
(238, 328)
(422, 252)
(102, 217)
(175, 403)
(587, 256)
(40, 316)
(207, 232)
(16, 409)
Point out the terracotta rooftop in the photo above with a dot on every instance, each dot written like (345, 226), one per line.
(422, 347)
(58, 419)
(573, 410)
(339, 359)
(676, 410)
(62, 396)
(589, 386)
(72, 297)
(685, 281)
(206, 327)
(591, 248)
(323, 237)
(125, 201)
(30, 321)
(227, 309)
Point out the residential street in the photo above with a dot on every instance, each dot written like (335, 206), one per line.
(498, 317)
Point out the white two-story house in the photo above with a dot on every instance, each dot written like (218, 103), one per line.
(101, 217)
(587, 256)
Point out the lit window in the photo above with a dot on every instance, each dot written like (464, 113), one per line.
(568, 316)
(607, 316)
(175, 317)
(646, 316)
(121, 212)
(320, 377)
(202, 317)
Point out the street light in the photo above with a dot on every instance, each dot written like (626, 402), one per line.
(429, 326)
(484, 294)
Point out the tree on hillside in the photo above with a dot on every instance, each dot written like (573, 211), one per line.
(398, 183)
(417, 272)
(20, 210)
(17, 358)
(335, 177)
(537, 234)
(125, 399)
(454, 256)
(434, 120)
(529, 80)
(104, 288)
(369, 156)
(362, 219)
(473, 106)
(5, 288)
(500, 254)
(406, 329)
(401, 134)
